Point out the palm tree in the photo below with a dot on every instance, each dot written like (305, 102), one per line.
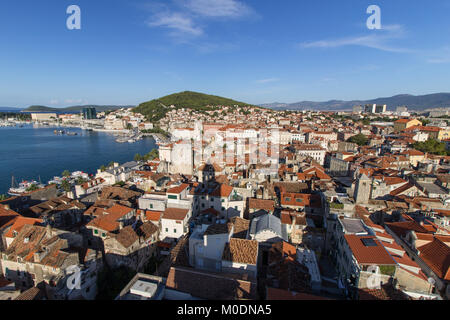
(66, 173)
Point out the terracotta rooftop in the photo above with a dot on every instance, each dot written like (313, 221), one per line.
(241, 251)
(217, 228)
(387, 292)
(436, 255)
(374, 253)
(175, 213)
(223, 190)
(178, 189)
(18, 224)
(211, 286)
(126, 236)
(241, 227)
(268, 205)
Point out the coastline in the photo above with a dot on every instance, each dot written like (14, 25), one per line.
(41, 153)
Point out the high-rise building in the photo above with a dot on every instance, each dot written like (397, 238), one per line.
(89, 113)
(374, 108)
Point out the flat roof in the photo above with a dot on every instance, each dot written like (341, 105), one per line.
(353, 226)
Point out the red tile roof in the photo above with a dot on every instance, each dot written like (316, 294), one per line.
(178, 189)
(368, 254)
(241, 251)
(223, 190)
(175, 214)
(436, 255)
(258, 204)
(18, 224)
(153, 215)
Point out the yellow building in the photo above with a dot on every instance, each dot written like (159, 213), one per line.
(444, 134)
(403, 124)
(414, 156)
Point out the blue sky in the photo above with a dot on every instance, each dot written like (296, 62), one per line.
(130, 51)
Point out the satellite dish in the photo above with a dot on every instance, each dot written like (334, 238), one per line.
(431, 281)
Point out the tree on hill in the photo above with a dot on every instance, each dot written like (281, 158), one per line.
(359, 139)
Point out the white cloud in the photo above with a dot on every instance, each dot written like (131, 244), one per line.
(176, 21)
(218, 8)
(376, 40)
(188, 17)
(269, 80)
(440, 56)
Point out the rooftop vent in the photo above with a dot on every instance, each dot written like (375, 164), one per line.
(144, 289)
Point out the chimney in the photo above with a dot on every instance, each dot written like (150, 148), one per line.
(142, 215)
(6, 206)
(49, 231)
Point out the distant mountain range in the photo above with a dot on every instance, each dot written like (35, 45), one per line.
(414, 103)
(73, 109)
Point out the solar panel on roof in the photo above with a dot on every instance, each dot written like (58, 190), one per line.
(369, 242)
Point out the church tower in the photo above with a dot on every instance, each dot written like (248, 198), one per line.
(363, 189)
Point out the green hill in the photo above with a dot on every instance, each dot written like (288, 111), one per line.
(156, 109)
(39, 109)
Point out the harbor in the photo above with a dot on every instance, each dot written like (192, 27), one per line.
(38, 151)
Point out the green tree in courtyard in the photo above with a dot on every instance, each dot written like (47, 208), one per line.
(65, 185)
(359, 139)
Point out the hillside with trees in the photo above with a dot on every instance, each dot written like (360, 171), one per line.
(156, 109)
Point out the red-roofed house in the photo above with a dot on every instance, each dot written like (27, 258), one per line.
(174, 223)
(363, 259)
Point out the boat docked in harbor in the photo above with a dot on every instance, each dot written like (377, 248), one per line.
(23, 187)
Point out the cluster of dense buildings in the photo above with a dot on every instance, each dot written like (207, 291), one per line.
(245, 203)
(119, 120)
